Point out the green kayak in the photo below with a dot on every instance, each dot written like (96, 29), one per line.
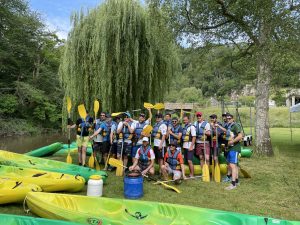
(20, 160)
(95, 210)
(73, 150)
(46, 150)
(8, 219)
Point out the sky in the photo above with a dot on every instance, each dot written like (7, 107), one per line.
(56, 13)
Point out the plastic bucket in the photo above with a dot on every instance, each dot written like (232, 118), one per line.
(133, 186)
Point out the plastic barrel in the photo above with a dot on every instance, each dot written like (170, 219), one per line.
(133, 187)
(95, 186)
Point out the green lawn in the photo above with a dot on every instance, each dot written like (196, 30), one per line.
(273, 190)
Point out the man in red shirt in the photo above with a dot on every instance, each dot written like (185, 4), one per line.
(173, 163)
(144, 158)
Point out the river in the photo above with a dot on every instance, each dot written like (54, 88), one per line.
(22, 144)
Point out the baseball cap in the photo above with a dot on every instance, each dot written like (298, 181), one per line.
(142, 115)
(127, 114)
(213, 116)
(225, 113)
(229, 115)
(174, 143)
(198, 113)
(145, 139)
(108, 115)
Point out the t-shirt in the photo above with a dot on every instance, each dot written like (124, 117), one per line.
(120, 126)
(206, 128)
(163, 130)
(179, 157)
(85, 130)
(134, 125)
(235, 129)
(150, 153)
(187, 144)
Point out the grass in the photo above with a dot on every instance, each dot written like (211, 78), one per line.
(273, 190)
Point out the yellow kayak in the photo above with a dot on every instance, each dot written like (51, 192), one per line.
(198, 171)
(15, 191)
(48, 181)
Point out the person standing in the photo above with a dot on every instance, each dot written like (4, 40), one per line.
(234, 148)
(203, 132)
(144, 158)
(216, 136)
(189, 139)
(175, 132)
(114, 139)
(159, 134)
(84, 126)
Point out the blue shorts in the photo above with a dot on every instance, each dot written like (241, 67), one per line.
(134, 150)
(232, 157)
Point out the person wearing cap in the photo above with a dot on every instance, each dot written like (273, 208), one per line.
(216, 134)
(144, 158)
(125, 132)
(173, 163)
(235, 135)
(84, 126)
(159, 134)
(188, 139)
(138, 127)
(203, 132)
(175, 132)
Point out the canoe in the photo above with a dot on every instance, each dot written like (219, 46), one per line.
(46, 150)
(48, 181)
(20, 160)
(73, 150)
(8, 219)
(81, 209)
(15, 191)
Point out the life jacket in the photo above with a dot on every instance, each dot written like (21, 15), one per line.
(125, 132)
(168, 122)
(139, 128)
(200, 130)
(187, 135)
(213, 132)
(228, 135)
(172, 160)
(144, 160)
(175, 130)
(156, 132)
(84, 125)
(107, 129)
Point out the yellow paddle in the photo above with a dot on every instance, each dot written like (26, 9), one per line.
(148, 105)
(116, 163)
(205, 174)
(217, 166)
(83, 115)
(96, 110)
(69, 106)
(117, 114)
(159, 106)
(147, 129)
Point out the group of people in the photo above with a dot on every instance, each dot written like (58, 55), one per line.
(124, 138)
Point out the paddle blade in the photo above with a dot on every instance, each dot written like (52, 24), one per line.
(148, 105)
(69, 158)
(82, 111)
(159, 106)
(170, 187)
(97, 164)
(205, 175)
(69, 104)
(217, 173)
(96, 107)
(91, 162)
(115, 162)
(117, 113)
(245, 173)
(147, 129)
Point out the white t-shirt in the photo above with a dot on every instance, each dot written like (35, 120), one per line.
(187, 144)
(140, 141)
(206, 128)
(163, 130)
(151, 152)
(120, 126)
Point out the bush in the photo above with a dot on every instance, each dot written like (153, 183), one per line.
(8, 103)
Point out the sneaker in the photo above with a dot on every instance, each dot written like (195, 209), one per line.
(230, 187)
(226, 179)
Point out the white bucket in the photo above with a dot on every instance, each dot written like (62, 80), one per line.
(95, 186)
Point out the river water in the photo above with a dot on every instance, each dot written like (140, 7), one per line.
(22, 144)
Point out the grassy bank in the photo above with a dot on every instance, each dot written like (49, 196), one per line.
(273, 190)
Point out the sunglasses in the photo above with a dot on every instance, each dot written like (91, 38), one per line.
(174, 121)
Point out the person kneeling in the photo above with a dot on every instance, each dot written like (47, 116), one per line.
(173, 163)
(144, 159)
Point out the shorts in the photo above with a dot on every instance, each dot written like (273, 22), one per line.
(200, 149)
(159, 154)
(134, 150)
(82, 141)
(176, 173)
(232, 157)
(105, 147)
(141, 167)
(97, 146)
(188, 155)
(114, 148)
(126, 149)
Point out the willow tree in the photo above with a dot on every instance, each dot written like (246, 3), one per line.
(119, 53)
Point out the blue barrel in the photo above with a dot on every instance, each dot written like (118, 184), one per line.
(133, 187)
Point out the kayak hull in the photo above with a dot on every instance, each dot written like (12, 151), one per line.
(46, 150)
(81, 209)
